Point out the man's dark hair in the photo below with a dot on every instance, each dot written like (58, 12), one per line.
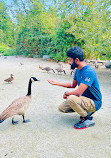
(75, 52)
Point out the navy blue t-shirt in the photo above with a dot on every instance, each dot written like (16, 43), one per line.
(87, 75)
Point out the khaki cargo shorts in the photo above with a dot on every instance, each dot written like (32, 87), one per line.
(80, 104)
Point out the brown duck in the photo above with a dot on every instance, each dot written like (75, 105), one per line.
(46, 68)
(18, 106)
(10, 79)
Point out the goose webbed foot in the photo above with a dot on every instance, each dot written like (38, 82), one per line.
(14, 122)
(25, 121)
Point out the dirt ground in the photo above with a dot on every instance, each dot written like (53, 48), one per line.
(50, 134)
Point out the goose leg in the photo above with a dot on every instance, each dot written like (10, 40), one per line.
(14, 122)
(64, 72)
(25, 121)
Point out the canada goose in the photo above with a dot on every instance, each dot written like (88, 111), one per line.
(18, 106)
(72, 72)
(59, 69)
(96, 64)
(10, 79)
(46, 68)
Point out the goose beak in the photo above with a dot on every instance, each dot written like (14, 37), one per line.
(37, 80)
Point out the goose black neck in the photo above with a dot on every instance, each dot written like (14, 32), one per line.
(29, 88)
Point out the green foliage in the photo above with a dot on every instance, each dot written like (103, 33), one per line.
(52, 30)
(34, 31)
(62, 42)
(93, 28)
(6, 26)
(10, 52)
(6, 50)
(3, 47)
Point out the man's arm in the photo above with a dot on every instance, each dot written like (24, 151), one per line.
(78, 92)
(67, 85)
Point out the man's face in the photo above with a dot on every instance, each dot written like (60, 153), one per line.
(70, 61)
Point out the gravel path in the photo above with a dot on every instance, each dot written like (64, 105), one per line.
(50, 134)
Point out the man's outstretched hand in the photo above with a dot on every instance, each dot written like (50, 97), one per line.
(57, 83)
(52, 82)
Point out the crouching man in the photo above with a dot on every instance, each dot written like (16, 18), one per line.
(86, 98)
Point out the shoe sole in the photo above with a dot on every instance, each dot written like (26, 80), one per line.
(79, 128)
(85, 127)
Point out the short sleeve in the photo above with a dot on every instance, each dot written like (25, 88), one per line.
(75, 75)
(88, 78)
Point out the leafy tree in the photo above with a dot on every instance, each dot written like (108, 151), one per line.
(6, 26)
(41, 28)
(34, 30)
(92, 27)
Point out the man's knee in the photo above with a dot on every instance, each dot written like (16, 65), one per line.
(65, 108)
(60, 108)
(72, 99)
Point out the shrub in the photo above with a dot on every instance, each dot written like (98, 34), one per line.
(9, 52)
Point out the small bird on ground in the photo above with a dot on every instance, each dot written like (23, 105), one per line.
(18, 106)
(21, 64)
(59, 69)
(10, 79)
(46, 68)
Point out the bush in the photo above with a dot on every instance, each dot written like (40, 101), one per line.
(3, 47)
(9, 52)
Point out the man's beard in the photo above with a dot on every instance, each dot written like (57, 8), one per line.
(74, 65)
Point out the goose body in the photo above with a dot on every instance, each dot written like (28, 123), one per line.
(10, 79)
(59, 69)
(46, 68)
(19, 106)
